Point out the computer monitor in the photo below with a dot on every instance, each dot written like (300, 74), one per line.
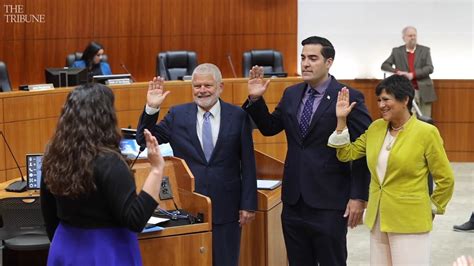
(66, 76)
(113, 79)
(34, 163)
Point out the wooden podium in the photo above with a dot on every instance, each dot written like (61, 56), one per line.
(179, 245)
(262, 242)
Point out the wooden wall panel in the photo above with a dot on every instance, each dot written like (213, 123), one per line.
(127, 18)
(29, 136)
(137, 54)
(134, 32)
(29, 118)
(10, 31)
(39, 105)
(63, 19)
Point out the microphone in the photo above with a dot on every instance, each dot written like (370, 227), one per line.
(17, 186)
(231, 65)
(142, 148)
(128, 72)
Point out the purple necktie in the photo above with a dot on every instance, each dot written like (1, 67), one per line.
(207, 144)
(307, 113)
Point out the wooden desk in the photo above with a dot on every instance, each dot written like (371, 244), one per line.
(262, 241)
(180, 245)
(28, 119)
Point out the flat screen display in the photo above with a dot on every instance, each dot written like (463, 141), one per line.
(33, 171)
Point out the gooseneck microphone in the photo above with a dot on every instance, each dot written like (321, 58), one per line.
(231, 65)
(128, 72)
(142, 148)
(17, 186)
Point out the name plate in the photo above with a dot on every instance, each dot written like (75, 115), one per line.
(118, 81)
(40, 87)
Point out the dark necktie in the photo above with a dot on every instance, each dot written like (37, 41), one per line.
(307, 112)
(207, 144)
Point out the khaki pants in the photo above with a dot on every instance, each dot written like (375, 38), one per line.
(425, 108)
(392, 249)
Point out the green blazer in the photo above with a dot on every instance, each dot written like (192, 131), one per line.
(402, 199)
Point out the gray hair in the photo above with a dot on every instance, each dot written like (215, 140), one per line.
(208, 68)
(407, 28)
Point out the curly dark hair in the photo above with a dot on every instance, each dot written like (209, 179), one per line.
(86, 129)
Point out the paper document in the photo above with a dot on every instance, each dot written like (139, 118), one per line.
(157, 220)
(152, 229)
(268, 184)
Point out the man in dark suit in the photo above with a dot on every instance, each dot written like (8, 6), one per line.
(414, 62)
(215, 140)
(321, 195)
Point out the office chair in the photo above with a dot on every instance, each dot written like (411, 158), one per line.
(23, 227)
(270, 60)
(5, 84)
(174, 65)
(71, 58)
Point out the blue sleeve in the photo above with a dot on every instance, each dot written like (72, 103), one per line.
(79, 64)
(105, 68)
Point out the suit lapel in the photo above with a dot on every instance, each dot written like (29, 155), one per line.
(418, 53)
(294, 106)
(191, 121)
(226, 121)
(329, 98)
(403, 55)
(377, 146)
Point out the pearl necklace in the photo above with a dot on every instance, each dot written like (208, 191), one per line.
(396, 128)
(391, 139)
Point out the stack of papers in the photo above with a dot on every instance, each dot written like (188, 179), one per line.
(268, 184)
(151, 225)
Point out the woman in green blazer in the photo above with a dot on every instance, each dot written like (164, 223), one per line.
(401, 151)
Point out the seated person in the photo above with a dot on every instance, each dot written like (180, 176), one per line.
(91, 59)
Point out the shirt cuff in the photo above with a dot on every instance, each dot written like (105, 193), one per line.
(338, 140)
(150, 110)
(434, 209)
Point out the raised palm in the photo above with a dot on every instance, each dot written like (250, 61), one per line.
(156, 93)
(343, 106)
(256, 84)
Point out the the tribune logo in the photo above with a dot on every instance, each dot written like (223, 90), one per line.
(16, 14)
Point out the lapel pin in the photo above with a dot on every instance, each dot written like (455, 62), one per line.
(328, 97)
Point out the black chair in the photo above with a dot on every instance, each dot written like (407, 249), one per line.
(5, 84)
(174, 65)
(71, 58)
(23, 226)
(270, 60)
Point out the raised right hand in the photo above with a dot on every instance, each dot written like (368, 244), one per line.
(154, 156)
(156, 94)
(257, 85)
(343, 108)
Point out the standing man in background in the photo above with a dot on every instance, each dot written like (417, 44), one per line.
(215, 140)
(414, 62)
(321, 195)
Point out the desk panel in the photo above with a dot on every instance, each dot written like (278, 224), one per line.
(29, 118)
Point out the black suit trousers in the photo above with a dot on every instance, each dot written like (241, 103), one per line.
(314, 236)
